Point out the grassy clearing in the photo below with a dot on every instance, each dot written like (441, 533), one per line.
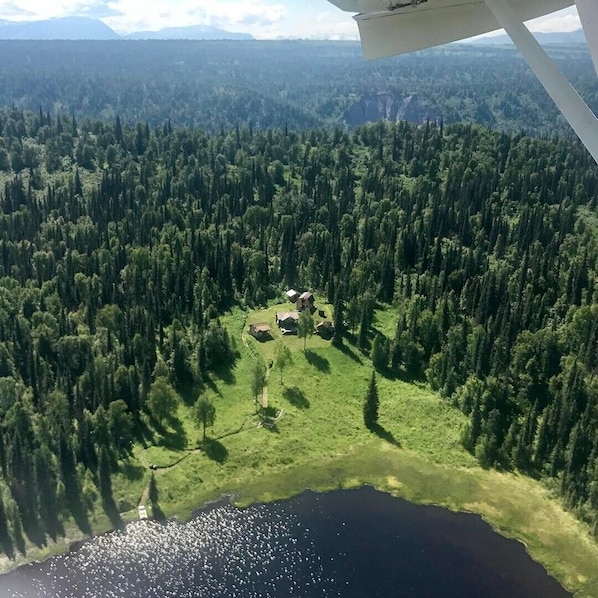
(320, 442)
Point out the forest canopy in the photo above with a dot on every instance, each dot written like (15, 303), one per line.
(121, 244)
(275, 84)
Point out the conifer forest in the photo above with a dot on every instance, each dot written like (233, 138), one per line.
(125, 234)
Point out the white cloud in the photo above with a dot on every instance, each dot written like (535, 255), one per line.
(241, 15)
(567, 20)
(310, 24)
(266, 19)
(34, 9)
(563, 20)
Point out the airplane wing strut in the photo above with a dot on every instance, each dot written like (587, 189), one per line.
(588, 13)
(390, 27)
(574, 109)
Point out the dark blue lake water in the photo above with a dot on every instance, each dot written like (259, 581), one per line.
(360, 543)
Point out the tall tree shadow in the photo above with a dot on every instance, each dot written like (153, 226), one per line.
(391, 374)
(143, 433)
(188, 392)
(7, 546)
(348, 351)
(175, 439)
(78, 510)
(131, 471)
(384, 434)
(54, 528)
(215, 450)
(319, 362)
(225, 372)
(158, 513)
(111, 510)
(35, 533)
(296, 397)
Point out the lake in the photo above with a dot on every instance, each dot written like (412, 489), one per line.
(360, 543)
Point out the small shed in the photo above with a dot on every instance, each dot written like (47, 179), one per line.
(325, 329)
(306, 301)
(260, 331)
(292, 295)
(287, 319)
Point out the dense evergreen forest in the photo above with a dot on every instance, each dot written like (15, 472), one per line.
(276, 84)
(121, 244)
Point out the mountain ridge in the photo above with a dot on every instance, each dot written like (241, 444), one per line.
(85, 28)
(68, 28)
(556, 37)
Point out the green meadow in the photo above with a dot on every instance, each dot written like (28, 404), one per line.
(318, 440)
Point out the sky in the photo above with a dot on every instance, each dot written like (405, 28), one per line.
(264, 19)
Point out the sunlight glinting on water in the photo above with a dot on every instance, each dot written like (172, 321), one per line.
(222, 552)
(351, 543)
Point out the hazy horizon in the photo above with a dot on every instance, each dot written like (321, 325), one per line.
(263, 19)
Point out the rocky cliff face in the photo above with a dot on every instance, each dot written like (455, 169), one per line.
(390, 107)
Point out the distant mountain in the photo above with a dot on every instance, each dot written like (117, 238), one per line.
(60, 28)
(561, 37)
(194, 32)
(85, 28)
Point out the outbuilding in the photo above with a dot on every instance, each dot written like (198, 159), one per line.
(287, 319)
(292, 295)
(306, 301)
(261, 331)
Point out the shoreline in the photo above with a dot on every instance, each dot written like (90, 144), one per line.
(327, 477)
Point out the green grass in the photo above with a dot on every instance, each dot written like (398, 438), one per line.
(385, 321)
(320, 442)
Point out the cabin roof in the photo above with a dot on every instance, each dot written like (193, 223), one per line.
(286, 315)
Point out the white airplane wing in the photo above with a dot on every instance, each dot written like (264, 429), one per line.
(387, 31)
(391, 27)
(412, 27)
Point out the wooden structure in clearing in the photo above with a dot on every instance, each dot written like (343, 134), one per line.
(260, 331)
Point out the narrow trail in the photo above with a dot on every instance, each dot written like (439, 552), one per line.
(158, 469)
(248, 424)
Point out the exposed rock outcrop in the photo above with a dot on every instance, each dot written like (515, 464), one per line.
(390, 107)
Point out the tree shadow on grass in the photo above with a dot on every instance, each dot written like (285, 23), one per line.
(35, 534)
(214, 450)
(270, 411)
(188, 392)
(384, 434)
(391, 374)
(143, 433)
(296, 397)
(158, 513)
(225, 373)
(7, 546)
(111, 510)
(207, 380)
(319, 362)
(78, 510)
(349, 352)
(175, 439)
(131, 471)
